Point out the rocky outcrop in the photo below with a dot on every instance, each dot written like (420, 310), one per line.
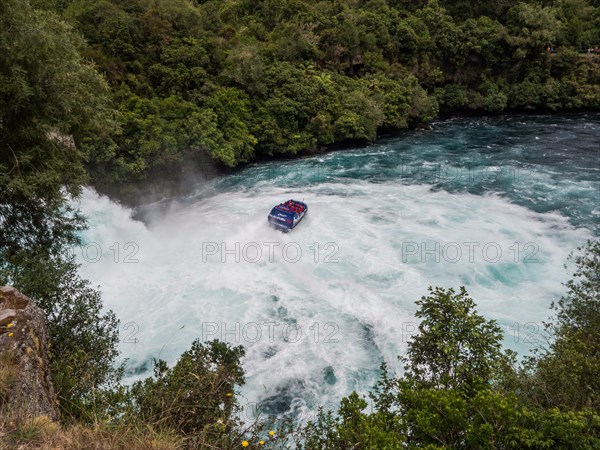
(24, 347)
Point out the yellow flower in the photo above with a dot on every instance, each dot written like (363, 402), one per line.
(245, 444)
(229, 394)
(272, 433)
(9, 325)
(10, 334)
(261, 443)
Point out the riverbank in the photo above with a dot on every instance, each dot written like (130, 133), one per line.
(181, 179)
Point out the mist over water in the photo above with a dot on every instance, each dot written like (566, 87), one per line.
(495, 205)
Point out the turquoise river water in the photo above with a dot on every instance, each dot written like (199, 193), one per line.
(495, 205)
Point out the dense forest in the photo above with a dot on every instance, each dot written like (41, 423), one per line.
(239, 80)
(115, 91)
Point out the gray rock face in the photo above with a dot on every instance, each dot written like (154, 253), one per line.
(24, 344)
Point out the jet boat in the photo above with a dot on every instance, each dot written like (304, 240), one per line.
(287, 215)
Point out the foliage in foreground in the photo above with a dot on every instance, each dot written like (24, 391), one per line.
(459, 390)
(195, 398)
(49, 92)
(83, 336)
(40, 433)
(566, 375)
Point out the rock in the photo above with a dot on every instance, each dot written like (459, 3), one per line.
(12, 298)
(24, 345)
(7, 316)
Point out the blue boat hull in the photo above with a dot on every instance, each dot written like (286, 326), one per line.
(284, 218)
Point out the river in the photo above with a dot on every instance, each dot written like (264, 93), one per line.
(494, 204)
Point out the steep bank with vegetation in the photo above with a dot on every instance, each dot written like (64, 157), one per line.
(460, 389)
(240, 80)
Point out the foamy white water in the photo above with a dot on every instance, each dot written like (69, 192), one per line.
(320, 308)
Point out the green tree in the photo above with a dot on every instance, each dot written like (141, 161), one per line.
(50, 99)
(455, 347)
(244, 66)
(533, 28)
(83, 336)
(353, 427)
(458, 390)
(157, 134)
(232, 108)
(567, 373)
(194, 398)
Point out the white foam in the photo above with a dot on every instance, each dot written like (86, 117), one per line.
(364, 303)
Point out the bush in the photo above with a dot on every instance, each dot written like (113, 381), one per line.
(83, 338)
(460, 391)
(196, 397)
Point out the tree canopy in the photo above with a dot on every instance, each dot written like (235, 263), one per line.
(269, 78)
(51, 99)
(459, 390)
